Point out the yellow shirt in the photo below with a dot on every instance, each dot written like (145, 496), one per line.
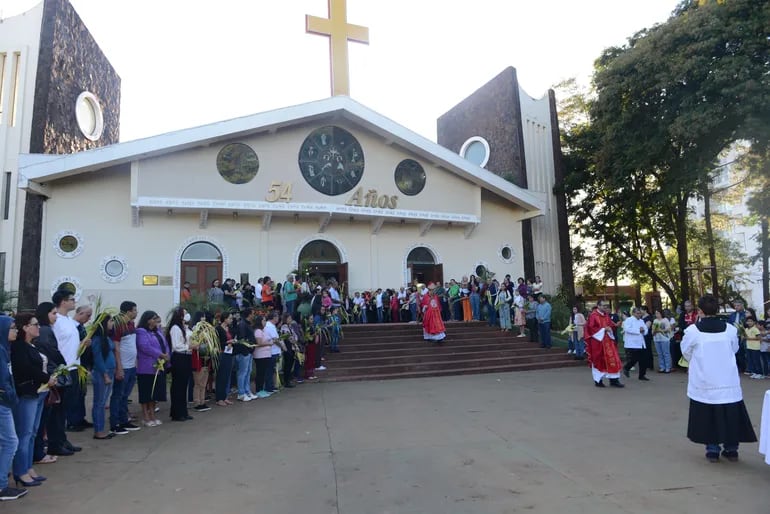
(753, 332)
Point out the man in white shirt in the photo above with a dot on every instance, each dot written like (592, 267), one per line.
(634, 330)
(378, 304)
(258, 292)
(68, 339)
(358, 301)
(335, 296)
(271, 334)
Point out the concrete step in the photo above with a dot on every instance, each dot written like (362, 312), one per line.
(439, 357)
(448, 371)
(405, 344)
(421, 349)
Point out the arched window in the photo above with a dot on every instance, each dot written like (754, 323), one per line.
(202, 251)
(320, 252)
(420, 255)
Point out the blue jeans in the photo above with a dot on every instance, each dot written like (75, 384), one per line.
(290, 306)
(26, 417)
(491, 315)
(102, 393)
(764, 358)
(580, 346)
(270, 378)
(714, 448)
(224, 374)
(663, 347)
(8, 443)
(379, 314)
(121, 390)
(545, 334)
(505, 316)
(754, 361)
(476, 306)
(243, 362)
(335, 342)
(413, 311)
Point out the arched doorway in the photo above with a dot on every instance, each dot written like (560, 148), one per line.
(423, 267)
(201, 264)
(321, 260)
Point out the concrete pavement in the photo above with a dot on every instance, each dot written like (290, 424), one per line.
(519, 442)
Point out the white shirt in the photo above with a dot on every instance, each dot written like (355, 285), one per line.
(180, 342)
(518, 301)
(632, 337)
(713, 375)
(258, 292)
(66, 331)
(378, 300)
(359, 300)
(271, 334)
(334, 295)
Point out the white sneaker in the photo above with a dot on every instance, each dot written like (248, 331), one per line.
(158, 422)
(241, 397)
(253, 396)
(569, 352)
(321, 368)
(755, 376)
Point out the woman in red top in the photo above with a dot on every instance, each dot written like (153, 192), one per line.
(267, 293)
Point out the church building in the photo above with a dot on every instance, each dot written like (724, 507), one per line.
(330, 188)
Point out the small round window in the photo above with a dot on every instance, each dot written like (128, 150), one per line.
(237, 163)
(88, 114)
(67, 283)
(476, 150)
(410, 177)
(481, 270)
(68, 244)
(114, 268)
(506, 253)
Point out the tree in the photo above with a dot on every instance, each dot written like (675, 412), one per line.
(667, 104)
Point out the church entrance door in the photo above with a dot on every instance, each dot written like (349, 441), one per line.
(423, 267)
(320, 260)
(201, 265)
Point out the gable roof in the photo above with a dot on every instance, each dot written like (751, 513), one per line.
(41, 168)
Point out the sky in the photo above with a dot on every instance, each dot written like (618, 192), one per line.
(185, 63)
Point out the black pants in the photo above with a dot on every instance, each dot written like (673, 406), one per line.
(676, 353)
(533, 329)
(288, 366)
(181, 376)
(56, 424)
(637, 355)
(262, 367)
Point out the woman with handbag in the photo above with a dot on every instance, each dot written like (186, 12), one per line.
(54, 412)
(30, 373)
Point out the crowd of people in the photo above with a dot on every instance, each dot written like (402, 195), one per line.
(268, 338)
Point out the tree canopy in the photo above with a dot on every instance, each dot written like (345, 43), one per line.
(666, 105)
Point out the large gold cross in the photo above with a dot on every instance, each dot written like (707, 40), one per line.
(338, 29)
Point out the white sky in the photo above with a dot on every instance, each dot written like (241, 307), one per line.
(191, 62)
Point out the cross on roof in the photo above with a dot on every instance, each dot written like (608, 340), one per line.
(338, 29)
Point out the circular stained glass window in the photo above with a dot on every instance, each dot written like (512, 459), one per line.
(237, 163)
(331, 160)
(113, 268)
(506, 252)
(410, 177)
(69, 287)
(68, 244)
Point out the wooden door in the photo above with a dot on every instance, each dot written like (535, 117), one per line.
(438, 274)
(342, 275)
(200, 274)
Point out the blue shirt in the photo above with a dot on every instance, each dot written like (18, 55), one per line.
(103, 364)
(543, 312)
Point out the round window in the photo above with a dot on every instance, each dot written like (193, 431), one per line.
(506, 253)
(476, 150)
(481, 270)
(88, 114)
(68, 244)
(69, 287)
(67, 283)
(410, 177)
(113, 268)
(237, 163)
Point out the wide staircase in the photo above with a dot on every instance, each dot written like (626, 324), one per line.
(397, 350)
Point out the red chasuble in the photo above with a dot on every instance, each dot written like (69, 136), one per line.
(601, 350)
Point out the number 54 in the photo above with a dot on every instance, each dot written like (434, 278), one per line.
(279, 191)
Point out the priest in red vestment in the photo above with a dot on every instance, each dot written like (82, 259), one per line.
(432, 324)
(601, 349)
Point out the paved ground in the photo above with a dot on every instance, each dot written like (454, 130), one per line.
(545, 442)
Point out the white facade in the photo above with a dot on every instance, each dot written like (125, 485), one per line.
(538, 151)
(142, 203)
(19, 49)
